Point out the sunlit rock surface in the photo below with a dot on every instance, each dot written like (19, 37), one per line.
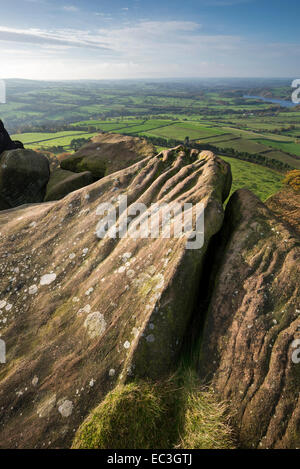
(80, 314)
(251, 346)
(108, 153)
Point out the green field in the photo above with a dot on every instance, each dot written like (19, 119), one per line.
(180, 131)
(289, 147)
(48, 140)
(241, 144)
(221, 136)
(48, 115)
(262, 181)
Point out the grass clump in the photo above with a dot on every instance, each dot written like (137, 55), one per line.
(176, 413)
(206, 421)
(128, 418)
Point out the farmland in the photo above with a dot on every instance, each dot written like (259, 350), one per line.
(48, 140)
(50, 116)
(279, 147)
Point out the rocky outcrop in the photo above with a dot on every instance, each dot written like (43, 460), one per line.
(253, 320)
(5, 141)
(25, 174)
(108, 153)
(62, 182)
(23, 178)
(286, 205)
(81, 313)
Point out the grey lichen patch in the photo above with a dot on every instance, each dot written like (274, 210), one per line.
(95, 324)
(35, 381)
(150, 338)
(33, 290)
(47, 279)
(66, 408)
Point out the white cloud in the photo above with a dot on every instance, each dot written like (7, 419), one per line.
(66, 37)
(70, 8)
(144, 49)
(225, 3)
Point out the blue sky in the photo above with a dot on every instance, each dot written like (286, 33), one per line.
(79, 39)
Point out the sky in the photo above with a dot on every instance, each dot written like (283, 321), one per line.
(121, 39)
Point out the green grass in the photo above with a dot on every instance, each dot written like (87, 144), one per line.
(205, 420)
(148, 125)
(46, 140)
(216, 139)
(242, 145)
(175, 413)
(180, 131)
(263, 181)
(36, 137)
(280, 156)
(289, 147)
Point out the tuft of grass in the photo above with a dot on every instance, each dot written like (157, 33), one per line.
(175, 413)
(206, 422)
(128, 418)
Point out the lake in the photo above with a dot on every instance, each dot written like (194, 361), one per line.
(274, 101)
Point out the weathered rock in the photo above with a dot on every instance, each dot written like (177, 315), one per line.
(5, 141)
(252, 322)
(62, 182)
(81, 314)
(108, 153)
(23, 178)
(286, 205)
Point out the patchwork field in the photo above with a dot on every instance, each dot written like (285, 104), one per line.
(49, 115)
(48, 140)
(241, 144)
(279, 147)
(286, 146)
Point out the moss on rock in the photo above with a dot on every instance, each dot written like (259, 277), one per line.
(175, 413)
(24, 175)
(62, 182)
(129, 417)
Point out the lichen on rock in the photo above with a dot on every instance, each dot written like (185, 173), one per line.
(77, 325)
(252, 321)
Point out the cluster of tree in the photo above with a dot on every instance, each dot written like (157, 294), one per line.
(283, 129)
(77, 143)
(255, 158)
(46, 127)
(54, 149)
